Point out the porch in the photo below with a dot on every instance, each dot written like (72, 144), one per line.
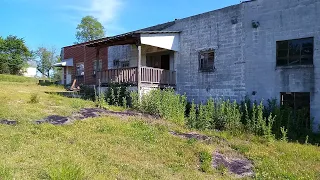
(150, 59)
(148, 75)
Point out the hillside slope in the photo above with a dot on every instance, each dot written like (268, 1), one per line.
(123, 147)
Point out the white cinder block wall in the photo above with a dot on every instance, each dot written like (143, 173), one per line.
(245, 57)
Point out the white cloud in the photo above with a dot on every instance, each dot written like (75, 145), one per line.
(106, 11)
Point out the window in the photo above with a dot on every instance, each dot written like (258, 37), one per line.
(295, 52)
(206, 61)
(298, 101)
(116, 63)
(80, 69)
(120, 64)
(97, 66)
(125, 64)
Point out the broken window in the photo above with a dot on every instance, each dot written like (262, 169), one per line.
(206, 61)
(80, 69)
(295, 52)
(299, 102)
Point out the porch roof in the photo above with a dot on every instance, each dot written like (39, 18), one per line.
(127, 38)
(65, 63)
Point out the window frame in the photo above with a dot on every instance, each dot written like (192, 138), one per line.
(297, 103)
(125, 64)
(77, 71)
(204, 64)
(309, 59)
(97, 67)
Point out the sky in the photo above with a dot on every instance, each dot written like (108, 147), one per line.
(52, 23)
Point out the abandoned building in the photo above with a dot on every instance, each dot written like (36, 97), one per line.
(262, 49)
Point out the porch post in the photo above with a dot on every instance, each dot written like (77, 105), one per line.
(65, 73)
(139, 71)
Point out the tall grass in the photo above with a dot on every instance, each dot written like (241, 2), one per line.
(163, 103)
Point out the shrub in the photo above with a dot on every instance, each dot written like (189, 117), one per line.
(34, 98)
(117, 95)
(134, 98)
(284, 133)
(163, 103)
(205, 161)
(88, 93)
(192, 118)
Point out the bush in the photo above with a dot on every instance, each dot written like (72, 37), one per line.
(163, 103)
(34, 98)
(221, 115)
(117, 95)
(205, 161)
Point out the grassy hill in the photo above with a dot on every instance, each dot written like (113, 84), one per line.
(114, 147)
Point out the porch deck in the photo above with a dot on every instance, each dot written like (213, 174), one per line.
(148, 75)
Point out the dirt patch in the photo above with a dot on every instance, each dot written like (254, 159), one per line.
(8, 122)
(241, 167)
(201, 137)
(191, 135)
(88, 113)
(55, 120)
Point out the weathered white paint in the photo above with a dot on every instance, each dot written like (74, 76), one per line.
(168, 41)
(30, 72)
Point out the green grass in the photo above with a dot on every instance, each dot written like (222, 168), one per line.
(13, 78)
(27, 102)
(117, 148)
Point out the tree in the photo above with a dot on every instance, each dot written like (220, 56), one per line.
(46, 60)
(89, 29)
(57, 71)
(14, 55)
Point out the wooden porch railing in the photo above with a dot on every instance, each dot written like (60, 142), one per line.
(148, 75)
(157, 76)
(123, 75)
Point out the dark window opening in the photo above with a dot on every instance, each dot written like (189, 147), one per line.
(125, 64)
(116, 63)
(80, 69)
(299, 102)
(295, 52)
(206, 61)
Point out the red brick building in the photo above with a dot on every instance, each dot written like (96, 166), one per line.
(82, 63)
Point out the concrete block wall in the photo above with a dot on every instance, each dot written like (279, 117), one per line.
(281, 20)
(245, 57)
(220, 30)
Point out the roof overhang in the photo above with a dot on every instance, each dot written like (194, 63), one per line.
(64, 63)
(163, 39)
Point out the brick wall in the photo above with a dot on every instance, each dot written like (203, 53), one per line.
(87, 55)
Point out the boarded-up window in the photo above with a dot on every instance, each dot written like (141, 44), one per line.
(206, 61)
(295, 52)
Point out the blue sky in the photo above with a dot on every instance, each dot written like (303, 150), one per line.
(52, 23)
